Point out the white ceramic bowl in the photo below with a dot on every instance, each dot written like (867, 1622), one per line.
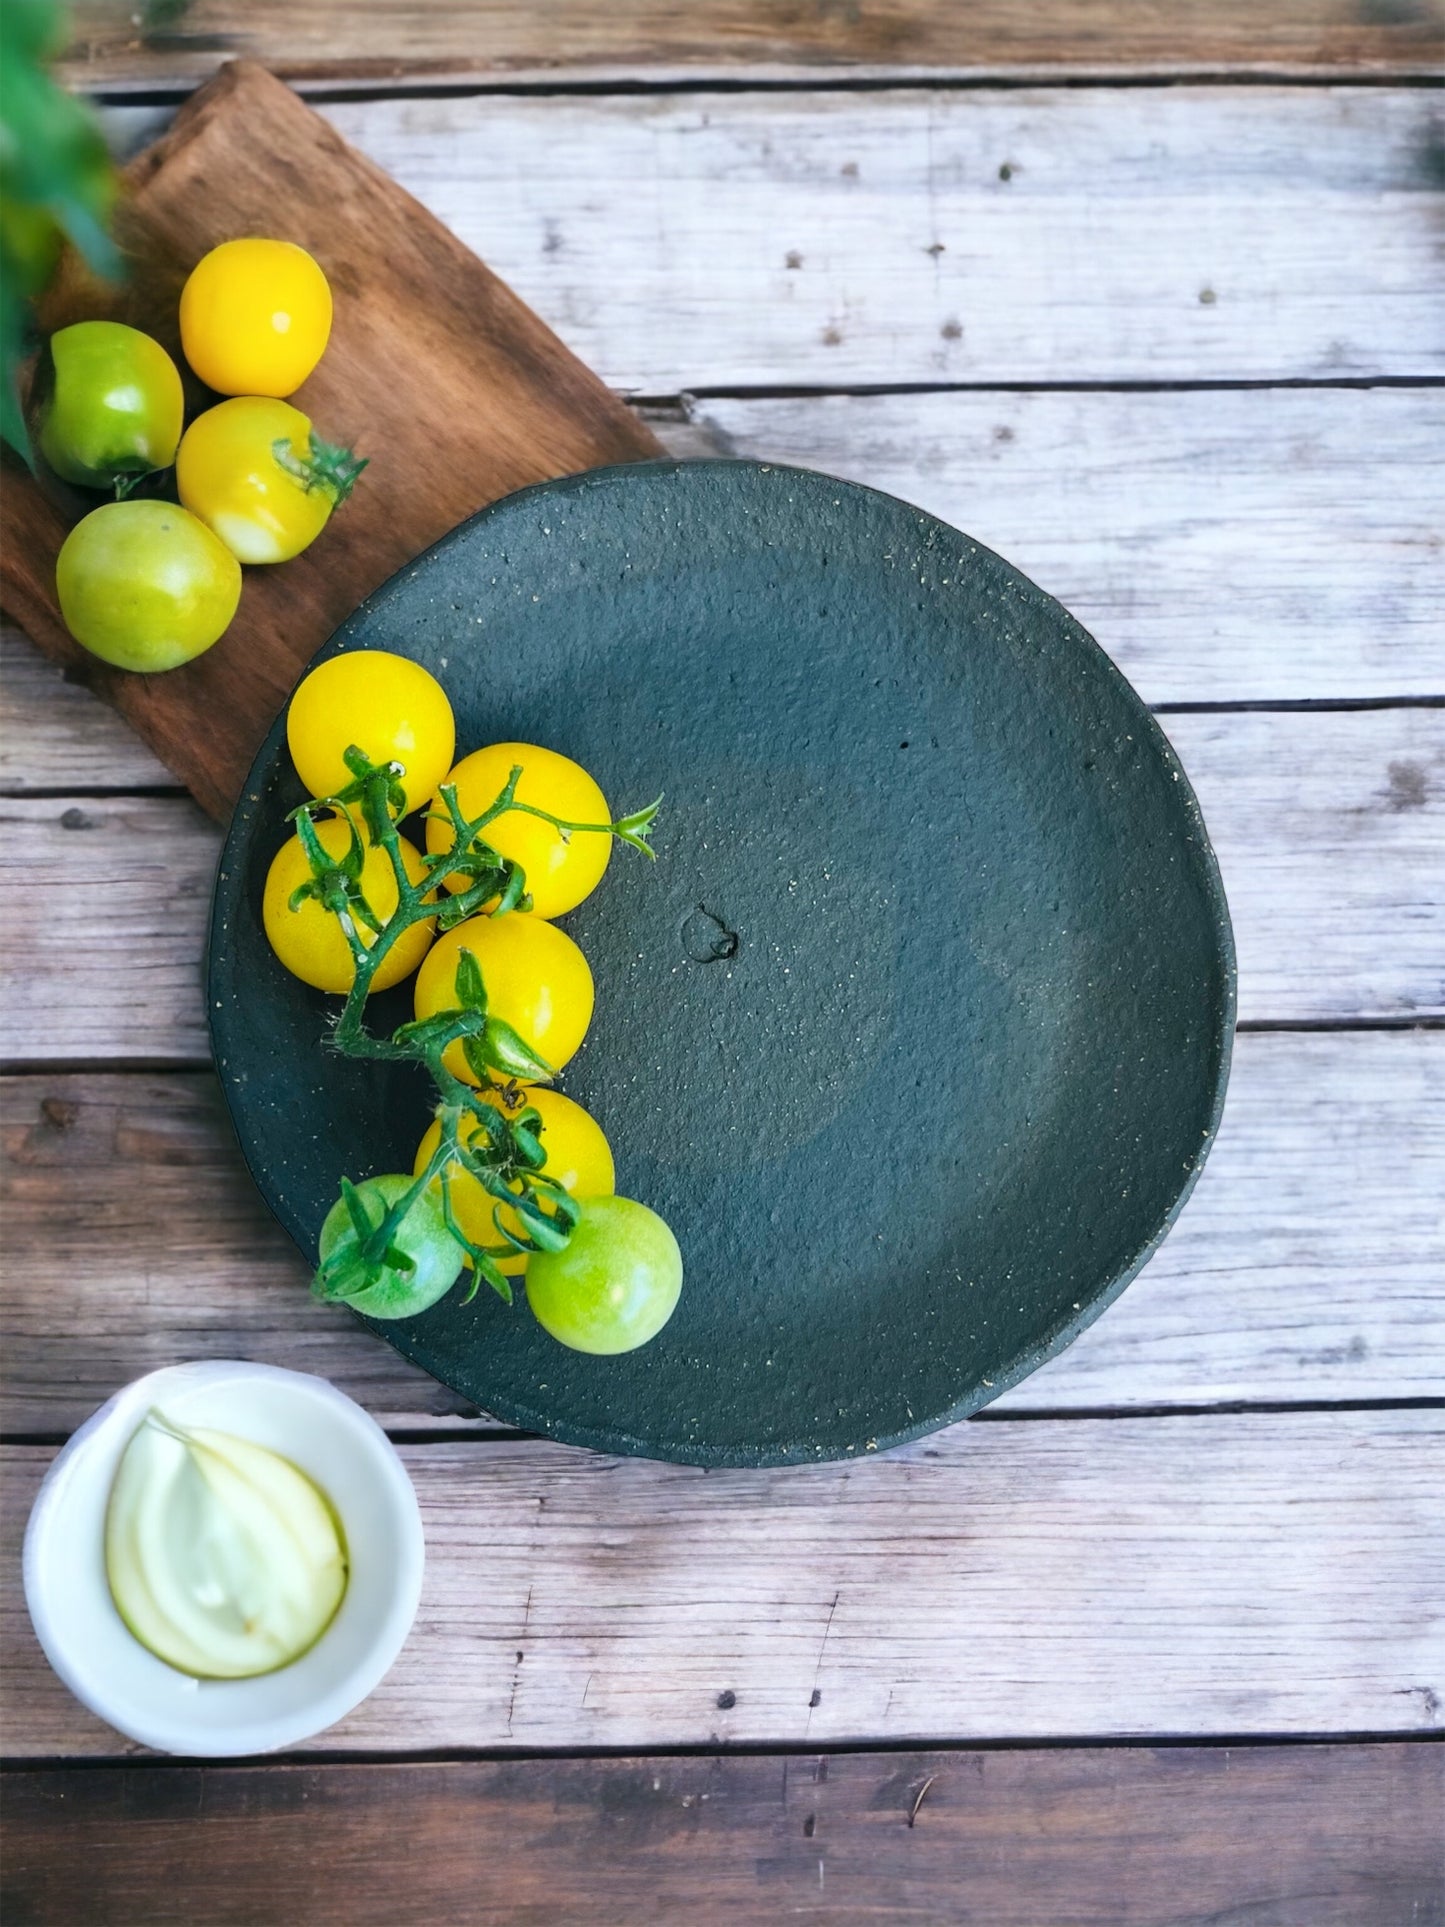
(332, 1440)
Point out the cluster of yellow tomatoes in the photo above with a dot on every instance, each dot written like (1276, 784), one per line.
(536, 977)
(147, 583)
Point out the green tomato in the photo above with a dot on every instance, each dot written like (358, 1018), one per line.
(115, 407)
(145, 585)
(422, 1235)
(614, 1285)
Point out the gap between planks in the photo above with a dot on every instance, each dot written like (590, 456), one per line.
(1328, 1834)
(1123, 1579)
(165, 99)
(1305, 1270)
(1245, 546)
(1327, 826)
(328, 43)
(1040, 235)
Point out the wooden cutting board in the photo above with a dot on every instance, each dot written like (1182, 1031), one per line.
(435, 370)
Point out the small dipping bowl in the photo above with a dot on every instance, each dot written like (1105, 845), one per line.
(337, 1445)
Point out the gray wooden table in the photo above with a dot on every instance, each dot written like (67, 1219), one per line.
(1152, 305)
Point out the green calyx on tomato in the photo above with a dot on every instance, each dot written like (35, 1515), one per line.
(326, 466)
(111, 406)
(250, 468)
(386, 1250)
(496, 1145)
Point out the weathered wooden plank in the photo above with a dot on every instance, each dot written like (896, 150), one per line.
(55, 735)
(1020, 236)
(1247, 545)
(1328, 828)
(1272, 1574)
(1306, 1268)
(325, 42)
(825, 240)
(1319, 1836)
(174, 1256)
(100, 947)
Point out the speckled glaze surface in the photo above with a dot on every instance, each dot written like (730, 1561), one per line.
(917, 1032)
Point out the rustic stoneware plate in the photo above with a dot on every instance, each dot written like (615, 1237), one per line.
(917, 1031)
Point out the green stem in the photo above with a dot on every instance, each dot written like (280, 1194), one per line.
(379, 1242)
(336, 885)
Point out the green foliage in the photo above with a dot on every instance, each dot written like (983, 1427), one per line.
(56, 184)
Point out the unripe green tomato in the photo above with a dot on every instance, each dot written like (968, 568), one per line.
(614, 1285)
(145, 585)
(422, 1235)
(116, 405)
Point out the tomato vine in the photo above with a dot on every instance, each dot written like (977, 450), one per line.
(502, 1147)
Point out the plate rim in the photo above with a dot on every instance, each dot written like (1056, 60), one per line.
(1217, 1039)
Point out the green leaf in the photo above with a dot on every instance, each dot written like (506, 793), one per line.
(350, 864)
(489, 1273)
(517, 1244)
(379, 804)
(637, 828)
(321, 863)
(504, 1049)
(326, 466)
(57, 183)
(545, 1233)
(565, 1211)
(471, 991)
(356, 1210)
(475, 1054)
(343, 1276)
(514, 894)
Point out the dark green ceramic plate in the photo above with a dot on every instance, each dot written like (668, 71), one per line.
(916, 1033)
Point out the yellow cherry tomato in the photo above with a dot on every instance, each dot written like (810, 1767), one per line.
(267, 503)
(255, 317)
(559, 875)
(309, 939)
(578, 1157)
(536, 978)
(386, 706)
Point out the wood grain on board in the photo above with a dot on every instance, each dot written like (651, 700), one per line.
(1327, 825)
(1323, 1836)
(435, 370)
(333, 42)
(1305, 1268)
(827, 240)
(1211, 1575)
